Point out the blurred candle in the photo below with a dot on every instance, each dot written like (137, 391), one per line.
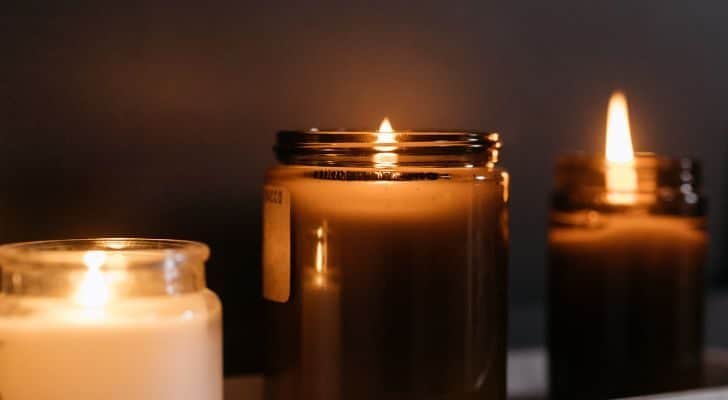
(128, 319)
(627, 245)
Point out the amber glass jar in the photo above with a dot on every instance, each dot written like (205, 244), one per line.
(385, 266)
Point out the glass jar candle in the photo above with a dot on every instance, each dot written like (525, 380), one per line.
(385, 266)
(626, 278)
(113, 319)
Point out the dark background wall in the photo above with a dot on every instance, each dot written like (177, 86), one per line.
(148, 119)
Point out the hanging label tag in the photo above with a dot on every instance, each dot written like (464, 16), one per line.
(276, 243)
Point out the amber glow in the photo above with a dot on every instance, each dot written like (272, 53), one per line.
(621, 175)
(93, 292)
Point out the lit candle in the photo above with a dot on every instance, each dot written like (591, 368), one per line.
(627, 245)
(410, 300)
(108, 319)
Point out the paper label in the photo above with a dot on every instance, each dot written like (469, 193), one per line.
(276, 243)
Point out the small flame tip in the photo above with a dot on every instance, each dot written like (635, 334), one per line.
(386, 126)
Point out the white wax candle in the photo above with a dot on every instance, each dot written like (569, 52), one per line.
(146, 348)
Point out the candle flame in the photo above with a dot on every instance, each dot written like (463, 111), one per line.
(621, 175)
(93, 291)
(619, 135)
(385, 126)
(385, 135)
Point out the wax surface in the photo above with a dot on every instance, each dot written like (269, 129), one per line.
(57, 353)
(414, 301)
(626, 298)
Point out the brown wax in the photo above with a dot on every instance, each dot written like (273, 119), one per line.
(415, 301)
(320, 347)
(626, 306)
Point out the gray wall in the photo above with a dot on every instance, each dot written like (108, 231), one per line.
(158, 120)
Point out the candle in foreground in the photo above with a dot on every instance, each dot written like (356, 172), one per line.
(627, 246)
(112, 319)
(384, 266)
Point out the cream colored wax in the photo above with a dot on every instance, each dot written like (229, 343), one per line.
(148, 348)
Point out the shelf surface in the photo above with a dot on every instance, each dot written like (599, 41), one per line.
(527, 379)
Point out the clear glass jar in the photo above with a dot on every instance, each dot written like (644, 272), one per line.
(108, 318)
(385, 266)
(626, 278)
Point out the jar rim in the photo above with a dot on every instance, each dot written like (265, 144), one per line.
(662, 184)
(369, 131)
(413, 147)
(647, 160)
(136, 252)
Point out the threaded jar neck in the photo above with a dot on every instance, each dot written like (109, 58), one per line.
(661, 185)
(387, 150)
(126, 267)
